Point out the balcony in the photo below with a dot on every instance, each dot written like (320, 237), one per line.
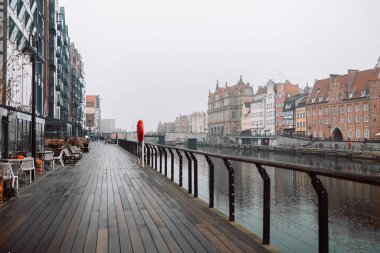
(58, 86)
(58, 54)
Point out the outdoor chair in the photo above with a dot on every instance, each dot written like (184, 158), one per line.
(69, 158)
(7, 173)
(49, 158)
(76, 151)
(27, 164)
(59, 158)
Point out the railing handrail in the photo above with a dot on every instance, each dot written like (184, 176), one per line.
(355, 177)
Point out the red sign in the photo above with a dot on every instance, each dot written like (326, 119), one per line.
(140, 131)
(117, 136)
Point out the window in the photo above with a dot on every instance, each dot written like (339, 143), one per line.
(314, 112)
(365, 108)
(357, 119)
(333, 120)
(349, 120)
(314, 123)
(318, 90)
(320, 99)
(233, 115)
(320, 121)
(326, 111)
(313, 100)
(357, 108)
(362, 94)
(320, 111)
(349, 133)
(350, 95)
(326, 121)
(349, 109)
(333, 111)
(357, 133)
(366, 134)
(341, 109)
(341, 120)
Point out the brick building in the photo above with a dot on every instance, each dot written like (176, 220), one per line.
(345, 107)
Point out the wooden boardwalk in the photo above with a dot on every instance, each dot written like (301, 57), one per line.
(105, 203)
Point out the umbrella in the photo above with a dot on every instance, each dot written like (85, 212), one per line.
(378, 134)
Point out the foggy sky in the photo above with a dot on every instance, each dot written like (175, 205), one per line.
(154, 60)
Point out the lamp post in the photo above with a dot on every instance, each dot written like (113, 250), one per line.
(34, 57)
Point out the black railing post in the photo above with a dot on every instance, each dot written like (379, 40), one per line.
(266, 204)
(171, 164)
(148, 154)
(180, 167)
(189, 177)
(323, 213)
(152, 156)
(159, 149)
(155, 157)
(195, 175)
(231, 189)
(210, 182)
(166, 162)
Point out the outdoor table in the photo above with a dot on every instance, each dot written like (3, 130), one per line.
(18, 162)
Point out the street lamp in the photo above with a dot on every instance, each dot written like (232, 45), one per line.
(34, 57)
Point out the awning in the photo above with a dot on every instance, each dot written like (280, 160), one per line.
(378, 134)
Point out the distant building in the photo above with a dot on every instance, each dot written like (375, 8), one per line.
(182, 124)
(198, 122)
(258, 110)
(345, 107)
(284, 91)
(225, 107)
(166, 127)
(93, 114)
(108, 125)
(246, 117)
(300, 120)
(289, 113)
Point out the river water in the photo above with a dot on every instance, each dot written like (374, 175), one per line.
(354, 208)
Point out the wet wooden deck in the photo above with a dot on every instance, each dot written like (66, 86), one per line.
(106, 203)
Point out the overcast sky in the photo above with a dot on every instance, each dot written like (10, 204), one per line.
(154, 60)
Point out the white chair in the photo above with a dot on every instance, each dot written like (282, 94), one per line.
(7, 173)
(49, 158)
(27, 164)
(59, 158)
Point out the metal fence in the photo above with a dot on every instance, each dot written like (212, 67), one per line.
(157, 157)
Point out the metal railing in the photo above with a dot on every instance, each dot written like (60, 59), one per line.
(155, 151)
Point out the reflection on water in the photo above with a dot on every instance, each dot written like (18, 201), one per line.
(354, 209)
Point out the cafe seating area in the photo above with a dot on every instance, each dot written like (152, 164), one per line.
(20, 169)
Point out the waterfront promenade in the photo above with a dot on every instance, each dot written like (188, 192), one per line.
(106, 203)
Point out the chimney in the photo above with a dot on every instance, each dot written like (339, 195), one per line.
(333, 78)
(351, 77)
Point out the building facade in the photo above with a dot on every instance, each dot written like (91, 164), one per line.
(300, 118)
(225, 107)
(198, 122)
(182, 124)
(107, 126)
(246, 117)
(345, 107)
(284, 91)
(93, 115)
(22, 24)
(258, 111)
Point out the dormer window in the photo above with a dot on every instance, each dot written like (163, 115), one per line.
(362, 93)
(320, 99)
(318, 90)
(350, 95)
(313, 100)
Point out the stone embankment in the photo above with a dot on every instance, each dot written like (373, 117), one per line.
(364, 153)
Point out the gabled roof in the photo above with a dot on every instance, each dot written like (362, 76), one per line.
(361, 82)
(261, 90)
(320, 90)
